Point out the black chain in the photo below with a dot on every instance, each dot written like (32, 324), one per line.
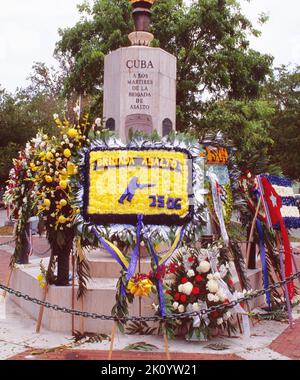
(248, 297)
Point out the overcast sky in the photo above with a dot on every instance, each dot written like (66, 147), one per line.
(28, 32)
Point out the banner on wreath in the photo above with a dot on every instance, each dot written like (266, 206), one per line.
(124, 183)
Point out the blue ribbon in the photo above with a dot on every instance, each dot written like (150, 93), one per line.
(262, 252)
(263, 258)
(109, 249)
(160, 290)
(135, 253)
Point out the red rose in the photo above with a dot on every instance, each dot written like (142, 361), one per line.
(184, 280)
(230, 282)
(198, 278)
(195, 290)
(191, 259)
(177, 297)
(168, 291)
(214, 314)
(183, 298)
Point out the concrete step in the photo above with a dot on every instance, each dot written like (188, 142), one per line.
(100, 299)
(104, 265)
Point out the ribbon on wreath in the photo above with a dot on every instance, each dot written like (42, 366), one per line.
(217, 201)
(213, 260)
(112, 249)
(263, 259)
(272, 205)
(161, 262)
(131, 267)
(118, 255)
(262, 250)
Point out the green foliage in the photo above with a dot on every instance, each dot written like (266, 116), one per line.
(209, 39)
(284, 90)
(24, 113)
(247, 124)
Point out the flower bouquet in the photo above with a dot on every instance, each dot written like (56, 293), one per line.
(196, 280)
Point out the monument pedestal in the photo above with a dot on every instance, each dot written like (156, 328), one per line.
(140, 91)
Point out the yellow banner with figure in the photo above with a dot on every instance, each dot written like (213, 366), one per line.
(124, 183)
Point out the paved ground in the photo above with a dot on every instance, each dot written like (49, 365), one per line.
(18, 340)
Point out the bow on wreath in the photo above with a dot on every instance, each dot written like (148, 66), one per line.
(130, 268)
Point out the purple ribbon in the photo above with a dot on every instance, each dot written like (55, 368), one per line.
(136, 251)
(108, 248)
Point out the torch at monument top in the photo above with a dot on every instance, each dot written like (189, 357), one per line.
(141, 14)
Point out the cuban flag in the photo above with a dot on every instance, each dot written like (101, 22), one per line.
(289, 210)
(273, 208)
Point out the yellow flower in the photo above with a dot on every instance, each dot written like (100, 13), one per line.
(63, 184)
(72, 132)
(48, 178)
(40, 277)
(140, 288)
(47, 202)
(63, 202)
(67, 153)
(49, 156)
(71, 168)
(32, 166)
(62, 220)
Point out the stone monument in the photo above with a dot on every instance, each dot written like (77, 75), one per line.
(140, 82)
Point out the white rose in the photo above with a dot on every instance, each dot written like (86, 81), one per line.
(181, 309)
(180, 288)
(175, 305)
(216, 298)
(219, 321)
(204, 267)
(187, 288)
(210, 297)
(190, 273)
(221, 295)
(196, 306)
(212, 286)
(210, 276)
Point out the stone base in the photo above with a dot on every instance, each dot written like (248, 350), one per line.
(100, 296)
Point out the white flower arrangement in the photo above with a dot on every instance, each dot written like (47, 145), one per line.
(203, 267)
(290, 212)
(212, 286)
(191, 273)
(187, 288)
(181, 309)
(284, 191)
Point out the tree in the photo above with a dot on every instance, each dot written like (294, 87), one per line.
(284, 90)
(209, 39)
(28, 110)
(248, 125)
